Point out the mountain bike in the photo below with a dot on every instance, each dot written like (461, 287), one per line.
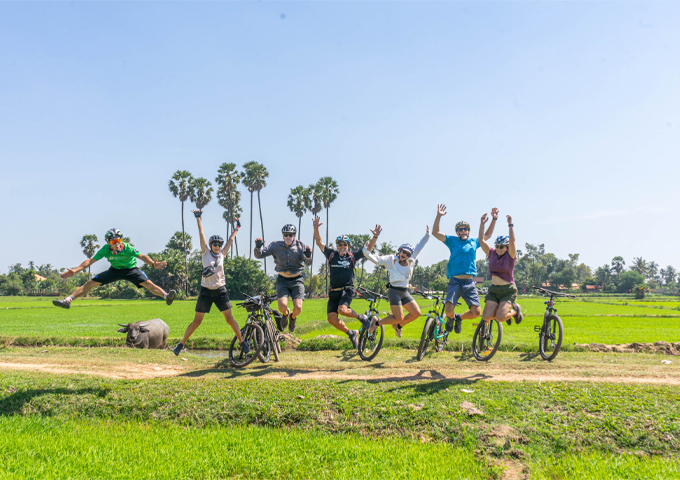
(370, 345)
(435, 326)
(253, 336)
(261, 314)
(487, 339)
(550, 333)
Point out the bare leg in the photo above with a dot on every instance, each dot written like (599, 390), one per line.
(283, 305)
(473, 312)
(413, 312)
(396, 317)
(334, 320)
(345, 311)
(198, 318)
(83, 289)
(490, 309)
(297, 307)
(505, 312)
(155, 289)
(233, 324)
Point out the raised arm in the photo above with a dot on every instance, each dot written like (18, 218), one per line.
(260, 250)
(72, 271)
(201, 234)
(317, 236)
(512, 248)
(441, 211)
(227, 245)
(489, 231)
(157, 265)
(421, 243)
(377, 259)
(376, 234)
(482, 240)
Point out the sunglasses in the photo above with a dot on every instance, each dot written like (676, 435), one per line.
(115, 240)
(216, 244)
(464, 229)
(288, 234)
(341, 244)
(405, 253)
(501, 246)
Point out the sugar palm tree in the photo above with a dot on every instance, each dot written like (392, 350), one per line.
(90, 246)
(640, 265)
(299, 203)
(618, 264)
(181, 186)
(652, 270)
(228, 196)
(255, 179)
(202, 194)
(329, 192)
(232, 212)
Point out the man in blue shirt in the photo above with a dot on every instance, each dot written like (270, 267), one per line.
(461, 269)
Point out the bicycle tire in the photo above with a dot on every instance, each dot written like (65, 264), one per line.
(440, 342)
(550, 338)
(425, 338)
(273, 339)
(265, 352)
(484, 346)
(252, 333)
(370, 345)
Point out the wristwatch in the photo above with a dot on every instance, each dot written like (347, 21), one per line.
(511, 225)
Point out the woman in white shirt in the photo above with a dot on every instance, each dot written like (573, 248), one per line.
(400, 269)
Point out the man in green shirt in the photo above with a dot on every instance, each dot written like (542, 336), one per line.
(123, 259)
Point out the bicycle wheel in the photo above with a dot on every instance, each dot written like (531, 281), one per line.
(370, 345)
(486, 340)
(441, 339)
(550, 338)
(251, 334)
(425, 338)
(273, 339)
(265, 351)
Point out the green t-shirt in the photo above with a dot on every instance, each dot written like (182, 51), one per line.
(126, 258)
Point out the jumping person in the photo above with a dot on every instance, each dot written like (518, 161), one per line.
(502, 295)
(461, 269)
(123, 258)
(290, 258)
(400, 270)
(341, 264)
(213, 289)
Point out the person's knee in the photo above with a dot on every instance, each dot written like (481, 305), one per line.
(488, 316)
(344, 310)
(333, 318)
(475, 310)
(449, 310)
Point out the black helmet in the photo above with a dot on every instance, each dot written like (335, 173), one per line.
(216, 239)
(112, 234)
(289, 228)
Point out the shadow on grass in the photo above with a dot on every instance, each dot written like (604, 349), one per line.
(15, 402)
(528, 356)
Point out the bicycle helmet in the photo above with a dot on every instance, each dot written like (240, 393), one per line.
(289, 228)
(461, 224)
(112, 234)
(406, 246)
(342, 238)
(503, 240)
(216, 239)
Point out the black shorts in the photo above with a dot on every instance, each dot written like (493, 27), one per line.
(133, 275)
(206, 297)
(290, 287)
(339, 297)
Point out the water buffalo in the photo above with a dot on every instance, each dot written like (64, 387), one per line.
(150, 334)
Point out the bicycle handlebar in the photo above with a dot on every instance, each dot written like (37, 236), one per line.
(366, 291)
(430, 297)
(557, 294)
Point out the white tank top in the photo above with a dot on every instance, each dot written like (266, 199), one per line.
(217, 280)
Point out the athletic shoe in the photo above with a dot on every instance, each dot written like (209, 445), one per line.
(291, 324)
(61, 303)
(374, 324)
(459, 324)
(353, 334)
(245, 347)
(449, 324)
(518, 316)
(170, 297)
(284, 321)
(178, 349)
(509, 321)
(397, 329)
(365, 321)
(278, 321)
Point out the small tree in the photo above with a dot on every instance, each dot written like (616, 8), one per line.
(90, 246)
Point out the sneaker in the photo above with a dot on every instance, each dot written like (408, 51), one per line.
(278, 321)
(397, 329)
(178, 349)
(459, 324)
(284, 321)
(365, 321)
(353, 334)
(518, 316)
(374, 324)
(291, 324)
(449, 324)
(61, 303)
(170, 297)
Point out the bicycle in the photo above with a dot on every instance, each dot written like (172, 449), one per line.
(485, 341)
(370, 345)
(253, 336)
(550, 333)
(261, 314)
(435, 327)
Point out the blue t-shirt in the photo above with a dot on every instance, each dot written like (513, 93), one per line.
(463, 256)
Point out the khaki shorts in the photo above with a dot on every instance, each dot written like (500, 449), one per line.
(502, 293)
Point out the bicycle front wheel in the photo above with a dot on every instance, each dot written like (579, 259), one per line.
(486, 340)
(550, 338)
(370, 345)
(425, 338)
(253, 336)
(273, 339)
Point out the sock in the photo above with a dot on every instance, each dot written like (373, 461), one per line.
(165, 295)
(69, 299)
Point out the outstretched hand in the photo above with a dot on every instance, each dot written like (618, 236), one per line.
(377, 231)
(509, 219)
(494, 213)
(427, 228)
(484, 219)
(308, 251)
(68, 273)
(161, 265)
(259, 242)
(197, 213)
(441, 209)
(317, 222)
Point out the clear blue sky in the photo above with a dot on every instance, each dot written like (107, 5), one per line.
(564, 114)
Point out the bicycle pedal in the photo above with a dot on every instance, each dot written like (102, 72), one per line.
(537, 328)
